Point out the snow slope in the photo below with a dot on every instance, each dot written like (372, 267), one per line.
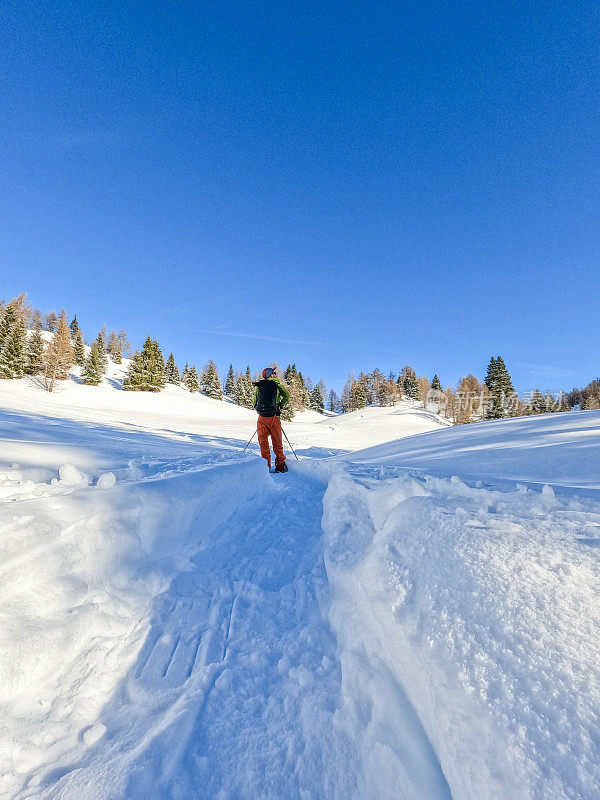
(175, 412)
(562, 449)
(177, 623)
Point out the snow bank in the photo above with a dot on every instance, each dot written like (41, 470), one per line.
(483, 606)
(79, 574)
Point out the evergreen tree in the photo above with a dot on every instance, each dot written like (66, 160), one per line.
(436, 384)
(376, 383)
(562, 403)
(59, 356)
(146, 372)
(7, 322)
(410, 383)
(35, 351)
(13, 339)
(500, 388)
(171, 371)
(288, 411)
(322, 389)
(92, 369)
(317, 401)
(358, 396)
(192, 381)
(230, 383)
(345, 402)
(101, 342)
(296, 385)
(8, 318)
(74, 328)
(79, 349)
(304, 392)
(333, 401)
(552, 404)
(185, 372)
(385, 393)
(211, 385)
(244, 390)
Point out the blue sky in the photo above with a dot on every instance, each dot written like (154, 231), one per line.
(343, 185)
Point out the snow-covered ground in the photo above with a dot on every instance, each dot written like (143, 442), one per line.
(415, 620)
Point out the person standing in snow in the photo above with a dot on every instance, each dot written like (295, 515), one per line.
(269, 398)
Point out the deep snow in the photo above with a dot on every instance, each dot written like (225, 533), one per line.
(417, 620)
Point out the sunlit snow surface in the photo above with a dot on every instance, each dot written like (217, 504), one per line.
(420, 620)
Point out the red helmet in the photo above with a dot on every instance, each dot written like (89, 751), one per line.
(266, 373)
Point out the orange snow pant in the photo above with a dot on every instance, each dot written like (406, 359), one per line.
(270, 426)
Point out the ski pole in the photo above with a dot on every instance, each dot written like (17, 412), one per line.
(288, 441)
(249, 440)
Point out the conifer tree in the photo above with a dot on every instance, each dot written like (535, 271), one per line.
(333, 401)
(345, 402)
(436, 383)
(7, 321)
(12, 347)
(74, 327)
(562, 402)
(288, 411)
(296, 385)
(92, 369)
(317, 401)
(358, 396)
(550, 402)
(101, 342)
(211, 385)
(230, 383)
(59, 356)
(185, 372)
(410, 383)
(376, 381)
(79, 349)
(51, 320)
(244, 390)
(36, 318)
(500, 387)
(192, 380)
(146, 372)
(304, 386)
(35, 351)
(114, 346)
(385, 393)
(171, 371)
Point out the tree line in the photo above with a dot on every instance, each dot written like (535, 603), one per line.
(470, 400)
(48, 346)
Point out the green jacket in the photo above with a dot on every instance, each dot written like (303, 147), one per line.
(282, 395)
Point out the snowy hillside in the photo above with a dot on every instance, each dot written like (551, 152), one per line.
(408, 621)
(175, 411)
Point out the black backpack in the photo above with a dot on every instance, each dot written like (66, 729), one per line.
(266, 398)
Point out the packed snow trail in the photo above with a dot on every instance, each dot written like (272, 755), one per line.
(237, 690)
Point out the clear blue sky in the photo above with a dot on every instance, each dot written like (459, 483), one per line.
(345, 185)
